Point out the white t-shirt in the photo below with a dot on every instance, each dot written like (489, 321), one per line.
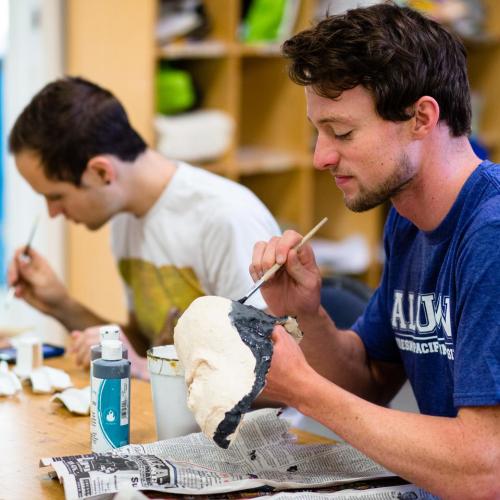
(196, 240)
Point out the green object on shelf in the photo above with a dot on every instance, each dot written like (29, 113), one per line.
(263, 21)
(175, 91)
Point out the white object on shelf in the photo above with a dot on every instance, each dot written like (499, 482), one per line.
(196, 136)
(177, 18)
(349, 256)
(335, 7)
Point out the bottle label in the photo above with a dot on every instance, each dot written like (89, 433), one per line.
(109, 413)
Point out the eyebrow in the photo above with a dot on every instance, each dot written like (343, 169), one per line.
(332, 119)
(52, 196)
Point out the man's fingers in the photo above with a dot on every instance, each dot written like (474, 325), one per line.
(256, 265)
(81, 349)
(276, 250)
(75, 340)
(83, 357)
(12, 273)
(286, 242)
(278, 331)
(269, 255)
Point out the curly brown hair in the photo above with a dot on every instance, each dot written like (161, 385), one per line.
(394, 52)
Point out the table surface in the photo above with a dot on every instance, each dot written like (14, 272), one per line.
(32, 427)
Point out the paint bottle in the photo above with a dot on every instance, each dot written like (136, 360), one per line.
(107, 332)
(110, 399)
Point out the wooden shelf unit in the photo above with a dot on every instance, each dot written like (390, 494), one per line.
(271, 152)
(273, 142)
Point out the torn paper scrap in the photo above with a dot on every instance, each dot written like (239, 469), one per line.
(47, 380)
(76, 400)
(9, 383)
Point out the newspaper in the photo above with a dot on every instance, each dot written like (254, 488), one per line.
(263, 454)
(403, 492)
(361, 492)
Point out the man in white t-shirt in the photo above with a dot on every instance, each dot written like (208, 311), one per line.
(178, 232)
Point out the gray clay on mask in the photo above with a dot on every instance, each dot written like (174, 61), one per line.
(255, 328)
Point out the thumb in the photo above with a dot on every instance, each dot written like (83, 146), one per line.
(75, 337)
(278, 333)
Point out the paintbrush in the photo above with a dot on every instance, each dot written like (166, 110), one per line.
(272, 270)
(25, 255)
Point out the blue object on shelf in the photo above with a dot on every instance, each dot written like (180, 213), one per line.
(479, 148)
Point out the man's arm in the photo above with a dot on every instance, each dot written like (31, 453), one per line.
(340, 356)
(36, 283)
(451, 457)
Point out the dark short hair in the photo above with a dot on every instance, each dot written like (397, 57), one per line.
(394, 52)
(70, 121)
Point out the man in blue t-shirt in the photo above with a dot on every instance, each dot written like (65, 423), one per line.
(387, 91)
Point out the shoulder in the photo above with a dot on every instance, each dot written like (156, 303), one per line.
(482, 212)
(240, 221)
(478, 230)
(490, 172)
(210, 186)
(219, 196)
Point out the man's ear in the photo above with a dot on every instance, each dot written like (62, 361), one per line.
(426, 116)
(99, 170)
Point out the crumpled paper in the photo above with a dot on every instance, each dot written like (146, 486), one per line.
(47, 380)
(76, 400)
(9, 383)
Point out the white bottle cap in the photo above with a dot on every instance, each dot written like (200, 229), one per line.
(109, 332)
(111, 350)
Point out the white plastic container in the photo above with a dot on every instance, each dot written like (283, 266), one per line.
(173, 417)
(28, 356)
(107, 332)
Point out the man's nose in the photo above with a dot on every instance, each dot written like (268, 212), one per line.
(54, 208)
(326, 155)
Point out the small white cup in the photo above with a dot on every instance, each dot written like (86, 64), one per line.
(28, 355)
(173, 417)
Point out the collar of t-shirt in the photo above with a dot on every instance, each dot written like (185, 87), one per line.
(461, 208)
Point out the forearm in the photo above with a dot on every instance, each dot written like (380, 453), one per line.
(75, 316)
(446, 456)
(338, 355)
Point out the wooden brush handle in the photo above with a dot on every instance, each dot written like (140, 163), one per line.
(270, 272)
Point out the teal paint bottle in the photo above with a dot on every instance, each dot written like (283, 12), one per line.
(110, 399)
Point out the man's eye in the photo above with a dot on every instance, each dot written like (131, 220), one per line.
(343, 137)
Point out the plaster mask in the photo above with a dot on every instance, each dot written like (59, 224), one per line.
(225, 348)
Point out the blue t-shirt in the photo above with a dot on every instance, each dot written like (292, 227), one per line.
(437, 309)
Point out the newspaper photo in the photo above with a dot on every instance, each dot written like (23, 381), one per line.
(264, 454)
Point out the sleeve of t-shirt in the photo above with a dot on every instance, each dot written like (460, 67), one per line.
(477, 349)
(374, 327)
(228, 246)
